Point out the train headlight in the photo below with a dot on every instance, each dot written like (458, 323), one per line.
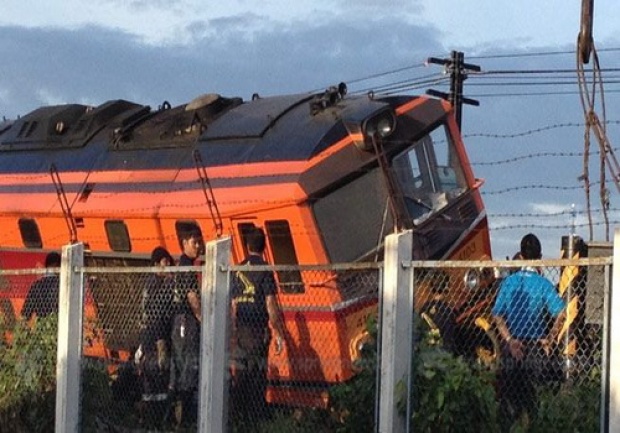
(380, 125)
(472, 279)
(377, 123)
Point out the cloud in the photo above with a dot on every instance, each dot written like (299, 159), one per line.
(249, 52)
(145, 4)
(97, 64)
(374, 9)
(550, 208)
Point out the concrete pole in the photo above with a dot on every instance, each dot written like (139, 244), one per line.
(614, 341)
(396, 324)
(68, 363)
(215, 310)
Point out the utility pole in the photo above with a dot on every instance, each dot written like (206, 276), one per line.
(458, 74)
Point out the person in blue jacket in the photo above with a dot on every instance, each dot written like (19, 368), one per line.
(524, 302)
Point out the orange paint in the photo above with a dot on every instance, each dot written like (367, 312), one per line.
(323, 324)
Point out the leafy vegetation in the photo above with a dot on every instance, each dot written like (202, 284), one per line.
(28, 381)
(569, 408)
(28, 376)
(448, 394)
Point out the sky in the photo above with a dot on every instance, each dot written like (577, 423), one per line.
(526, 139)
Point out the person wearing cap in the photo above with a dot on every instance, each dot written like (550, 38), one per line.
(152, 357)
(520, 312)
(42, 297)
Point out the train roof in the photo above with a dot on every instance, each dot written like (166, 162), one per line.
(227, 131)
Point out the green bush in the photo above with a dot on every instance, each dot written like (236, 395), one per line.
(28, 376)
(28, 380)
(574, 408)
(448, 394)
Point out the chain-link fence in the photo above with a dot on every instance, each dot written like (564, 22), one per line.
(531, 332)
(295, 334)
(301, 349)
(28, 331)
(495, 346)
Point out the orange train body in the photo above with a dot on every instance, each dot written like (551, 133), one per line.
(327, 175)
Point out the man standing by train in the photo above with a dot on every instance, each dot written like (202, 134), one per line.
(42, 297)
(254, 308)
(524, 298)
(184, 371)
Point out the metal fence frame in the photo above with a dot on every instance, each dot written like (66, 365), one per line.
(395, 315)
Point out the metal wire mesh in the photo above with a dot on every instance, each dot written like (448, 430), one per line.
(537, 328)
(140, 329)
(28, 330)
(289, 351)
(310, 375)
(280, 371)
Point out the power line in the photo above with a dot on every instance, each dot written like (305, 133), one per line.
(566, 81)
(520, 94)
(533, 71)
(423, 81)
(482, 73)
(534, 54)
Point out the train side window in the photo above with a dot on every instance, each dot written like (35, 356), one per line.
(29, 231)
(283, 250)
(118, 235)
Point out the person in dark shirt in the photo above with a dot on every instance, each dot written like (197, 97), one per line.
(254, 308)
(184, 373)
(152, 357)
(42, 297)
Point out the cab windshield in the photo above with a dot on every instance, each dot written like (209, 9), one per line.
(429, 175)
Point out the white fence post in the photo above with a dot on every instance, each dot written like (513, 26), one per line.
(396, 328)
(614, 341)
(68, 365)
(213, 410)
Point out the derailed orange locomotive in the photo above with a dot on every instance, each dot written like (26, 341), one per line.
(327, 175)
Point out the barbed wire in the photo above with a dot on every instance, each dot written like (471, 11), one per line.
(550, 226)
(566, 212)
(535, 186)
(535, 156)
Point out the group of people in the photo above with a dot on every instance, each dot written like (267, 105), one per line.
(168, 358)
